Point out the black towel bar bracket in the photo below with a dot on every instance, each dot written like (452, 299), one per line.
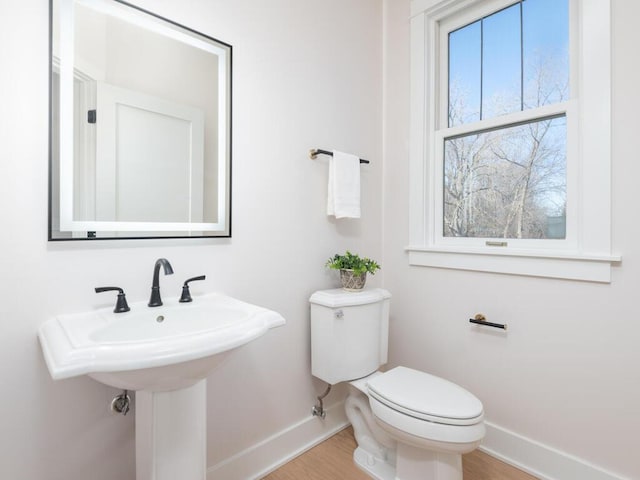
(480, 319)
(314, 152)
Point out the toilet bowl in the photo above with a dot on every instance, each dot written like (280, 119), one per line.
(422, 424)
(409, 425)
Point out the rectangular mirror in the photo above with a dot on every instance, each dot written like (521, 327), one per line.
(140, 127)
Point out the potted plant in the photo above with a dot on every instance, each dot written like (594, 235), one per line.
(353, 269)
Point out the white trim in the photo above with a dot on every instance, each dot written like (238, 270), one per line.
(533, 263)
(537, 459)
(589, 141)
(266, 456)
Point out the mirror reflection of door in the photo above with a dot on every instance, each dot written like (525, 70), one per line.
(149, 158)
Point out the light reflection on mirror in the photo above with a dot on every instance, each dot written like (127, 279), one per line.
(140, 125)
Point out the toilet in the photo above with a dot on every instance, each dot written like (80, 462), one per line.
(409, 425)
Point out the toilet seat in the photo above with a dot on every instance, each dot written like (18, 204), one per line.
(425, 397)
(426, 411)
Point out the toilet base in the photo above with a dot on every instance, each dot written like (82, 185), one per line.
(373, 466)
(412, 464)
(420, 464)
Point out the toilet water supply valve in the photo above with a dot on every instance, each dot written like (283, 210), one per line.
(318, 409)
(120, 403)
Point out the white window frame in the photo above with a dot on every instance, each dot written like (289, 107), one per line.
(586, 252)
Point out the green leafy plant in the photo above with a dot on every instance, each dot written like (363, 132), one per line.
(350, 261)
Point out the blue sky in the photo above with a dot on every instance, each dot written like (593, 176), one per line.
(497, 41)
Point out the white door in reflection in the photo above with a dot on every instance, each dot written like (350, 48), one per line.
(149, 158)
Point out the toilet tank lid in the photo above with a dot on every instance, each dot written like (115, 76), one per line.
(338, 297)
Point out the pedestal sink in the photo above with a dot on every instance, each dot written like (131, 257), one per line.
(164, 354)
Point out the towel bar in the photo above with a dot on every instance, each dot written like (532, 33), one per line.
(480, 320)
(314, 152)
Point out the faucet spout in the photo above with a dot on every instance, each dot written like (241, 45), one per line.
(156, 300)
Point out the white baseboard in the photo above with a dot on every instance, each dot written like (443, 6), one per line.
(539, 460)
(264, 457)
(535, 458)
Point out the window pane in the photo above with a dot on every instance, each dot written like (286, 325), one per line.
(546, 51)
(507, 183)
(501, 62)
(464, 75)
(514, 59)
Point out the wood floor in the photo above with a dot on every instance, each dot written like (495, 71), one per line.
(332, 460)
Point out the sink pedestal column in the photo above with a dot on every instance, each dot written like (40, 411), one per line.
(171, 434)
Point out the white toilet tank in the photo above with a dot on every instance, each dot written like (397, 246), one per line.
(349, 333)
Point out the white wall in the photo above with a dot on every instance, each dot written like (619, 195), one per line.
(566, 373)
(306, 74)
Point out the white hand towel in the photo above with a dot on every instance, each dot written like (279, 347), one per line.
(344, 186)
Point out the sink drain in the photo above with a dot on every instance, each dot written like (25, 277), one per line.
(160, 319)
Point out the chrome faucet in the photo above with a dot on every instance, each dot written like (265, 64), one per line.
(155, 300)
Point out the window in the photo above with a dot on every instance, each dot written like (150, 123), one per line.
(510, 137)
(507, 181)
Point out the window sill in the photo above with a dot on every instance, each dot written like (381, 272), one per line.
(570, 266)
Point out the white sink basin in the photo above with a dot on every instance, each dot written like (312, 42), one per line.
(155, 349)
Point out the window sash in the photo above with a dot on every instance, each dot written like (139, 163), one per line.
(436, 216)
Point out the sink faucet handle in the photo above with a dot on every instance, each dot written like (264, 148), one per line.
(121, 302)
(186, 295)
